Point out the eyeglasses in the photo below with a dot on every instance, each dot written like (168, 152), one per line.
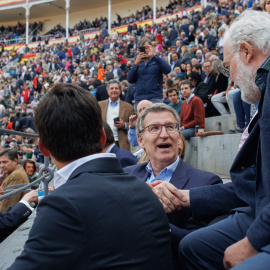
(222, 69)
(156, 128)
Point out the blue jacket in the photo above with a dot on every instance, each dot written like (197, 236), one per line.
(148, 78)
(250, 184)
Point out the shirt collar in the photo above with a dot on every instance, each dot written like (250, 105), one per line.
(170, 168)
(64, 173)
(190, 97)
(110, 148)
(114, 104)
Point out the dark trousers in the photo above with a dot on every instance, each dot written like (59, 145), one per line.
(204, 248)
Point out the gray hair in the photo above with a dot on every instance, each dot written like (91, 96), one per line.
(114, 81)
(125, 82)
(143, 41)
(215, 65)
(156, 108)
(252, 27)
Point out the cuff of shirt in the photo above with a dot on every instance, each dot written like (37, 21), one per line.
(27, 204)
(125, 126)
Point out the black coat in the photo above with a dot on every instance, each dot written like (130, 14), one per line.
(101, 218)
(201, 91)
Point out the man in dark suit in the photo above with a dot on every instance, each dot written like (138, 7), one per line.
(99, 217)
(17, 214)
(242, 240)
(209, 40)
(159, 135)
(114, 108)
(125, 157)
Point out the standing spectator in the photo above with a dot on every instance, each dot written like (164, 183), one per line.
(147, 73)
(116, 113)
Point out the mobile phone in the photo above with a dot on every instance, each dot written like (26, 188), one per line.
(116, 119)
(142, 49)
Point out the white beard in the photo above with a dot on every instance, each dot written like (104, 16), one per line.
(245, 80)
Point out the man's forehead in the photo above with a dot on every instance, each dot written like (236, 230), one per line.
(4, 158)
(156, 118)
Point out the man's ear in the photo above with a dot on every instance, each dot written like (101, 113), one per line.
(103, 137)
(246, 52)
(43, 149)
(140, 141)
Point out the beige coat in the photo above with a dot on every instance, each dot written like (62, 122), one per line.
(125, 111)
(18, 176)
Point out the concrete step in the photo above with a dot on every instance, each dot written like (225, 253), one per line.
(221, 123)
(213, 153)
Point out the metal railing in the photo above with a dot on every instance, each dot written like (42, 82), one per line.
(45, 178)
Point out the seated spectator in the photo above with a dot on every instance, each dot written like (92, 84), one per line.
(200, 88)
(242, 112)
(125, 157)
(192, 111)
(17, 214)
(13, 174)
(172, 95)
(198, 68)
(158, 134)
(30, 169)
(185, 55)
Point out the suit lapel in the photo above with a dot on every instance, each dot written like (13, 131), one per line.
(122, 110)
(179, 177)
(104, 110)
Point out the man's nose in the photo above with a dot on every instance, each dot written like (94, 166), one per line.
(163, 133)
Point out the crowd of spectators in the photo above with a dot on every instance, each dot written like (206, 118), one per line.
(15, 34)
(186, 47)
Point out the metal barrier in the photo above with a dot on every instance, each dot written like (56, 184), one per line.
(46, 179)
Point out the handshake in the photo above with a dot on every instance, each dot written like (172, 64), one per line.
(171, 198)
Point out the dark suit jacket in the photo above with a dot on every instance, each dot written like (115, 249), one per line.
(201, 91)
(211, 82)
(184, 177)
(125, 157)
(30, 123)
(102, 93)
(250, 184)
(125, 111)
(12, 219)
(102, 218)
(211, 42)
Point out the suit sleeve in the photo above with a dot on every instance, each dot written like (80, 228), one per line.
(214, 200)
(56, 238)
(12, 219)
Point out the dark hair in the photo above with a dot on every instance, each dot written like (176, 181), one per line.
(171, 90)
(197, 66)
(185, 82)
(143, 41)
(96, 83)
(29, 161)
(30, 114)
(11, 153)
(109, 134)
(109, 76)
(68, 120)
(195, 76)
(169, 83)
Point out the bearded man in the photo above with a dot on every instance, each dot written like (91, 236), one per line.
(242, 240)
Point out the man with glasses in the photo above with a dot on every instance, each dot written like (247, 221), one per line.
(159, 135)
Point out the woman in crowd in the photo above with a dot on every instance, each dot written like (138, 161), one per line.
(185, 54)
